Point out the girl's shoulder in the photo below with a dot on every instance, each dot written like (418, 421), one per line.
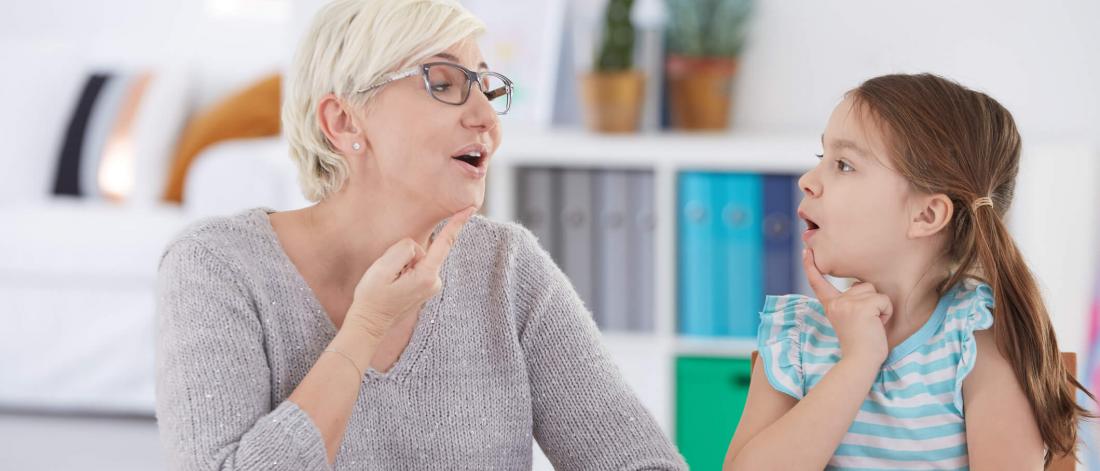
(970, 309)
(792, 309)
(969, 306)
(794, 316)
(792, 326)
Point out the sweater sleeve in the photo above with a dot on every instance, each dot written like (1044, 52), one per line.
(585, 415)
(213, 401)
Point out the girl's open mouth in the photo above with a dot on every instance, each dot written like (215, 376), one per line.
(811, 229)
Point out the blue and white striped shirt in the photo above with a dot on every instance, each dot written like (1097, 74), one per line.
(913, 416)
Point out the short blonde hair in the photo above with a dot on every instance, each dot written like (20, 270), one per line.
(352, 44)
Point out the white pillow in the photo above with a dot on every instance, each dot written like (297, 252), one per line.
(161, 119)
(39, 101)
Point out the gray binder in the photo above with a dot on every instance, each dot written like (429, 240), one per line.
(537, 204)
(642, 273)
(613, 234)
(576, 237)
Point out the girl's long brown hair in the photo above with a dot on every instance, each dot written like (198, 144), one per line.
(948, 139)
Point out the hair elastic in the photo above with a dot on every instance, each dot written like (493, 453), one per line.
(983, 201)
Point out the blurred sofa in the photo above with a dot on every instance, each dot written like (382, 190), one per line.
(77, 274)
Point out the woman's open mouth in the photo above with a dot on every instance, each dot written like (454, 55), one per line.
(472, 161)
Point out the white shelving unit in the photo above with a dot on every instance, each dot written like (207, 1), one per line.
(647, 360)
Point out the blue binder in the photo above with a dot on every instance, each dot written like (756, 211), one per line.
(779, 227)
(697, 253)
(741, 255)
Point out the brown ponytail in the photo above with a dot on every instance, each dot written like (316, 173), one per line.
(952, 140)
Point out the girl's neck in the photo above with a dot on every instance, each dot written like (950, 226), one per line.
(914, 294)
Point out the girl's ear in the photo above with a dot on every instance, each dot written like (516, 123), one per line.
(931, 213)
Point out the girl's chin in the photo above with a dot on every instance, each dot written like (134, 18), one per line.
(821, 260)
(826, 266)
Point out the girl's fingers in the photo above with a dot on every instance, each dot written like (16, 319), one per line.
(884, 306)
(823, 290)
(862, 288)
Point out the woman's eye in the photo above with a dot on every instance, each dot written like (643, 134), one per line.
(843, 166)
(819, 156)
(441, 87)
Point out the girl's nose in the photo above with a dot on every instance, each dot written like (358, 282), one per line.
(809, 185)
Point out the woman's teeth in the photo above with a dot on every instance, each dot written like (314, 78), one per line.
(473, 158)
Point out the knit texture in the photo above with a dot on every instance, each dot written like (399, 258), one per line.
(504, 354)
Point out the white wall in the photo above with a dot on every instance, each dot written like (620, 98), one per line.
(1038, 58)
(221, 49)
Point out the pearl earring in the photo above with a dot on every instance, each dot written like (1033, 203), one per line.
(355, 145)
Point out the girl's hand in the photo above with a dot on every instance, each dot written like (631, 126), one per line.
(402, 279)
(858, 315)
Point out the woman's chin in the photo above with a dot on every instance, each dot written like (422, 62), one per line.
(461, 202)
(476, 200)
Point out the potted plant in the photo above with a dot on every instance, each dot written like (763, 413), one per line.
(614, 90)
(704, 40)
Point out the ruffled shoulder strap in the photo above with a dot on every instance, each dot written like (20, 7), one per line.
(779, 340)
(970, 309)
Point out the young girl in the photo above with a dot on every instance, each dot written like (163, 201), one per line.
(943, 355)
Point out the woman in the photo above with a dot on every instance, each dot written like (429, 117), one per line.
(360, 332)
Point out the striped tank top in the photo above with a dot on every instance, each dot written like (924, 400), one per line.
(913, 416)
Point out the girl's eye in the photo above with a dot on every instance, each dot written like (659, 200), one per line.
(819, 156)
(843, 166)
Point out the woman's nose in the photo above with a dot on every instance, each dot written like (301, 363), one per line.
(480, 113)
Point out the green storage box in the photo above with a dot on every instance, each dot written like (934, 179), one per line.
(710, 393)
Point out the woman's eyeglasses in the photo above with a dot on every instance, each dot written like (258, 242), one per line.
(451, 83)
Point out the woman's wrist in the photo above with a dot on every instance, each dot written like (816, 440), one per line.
(356, 341)
(367, 323)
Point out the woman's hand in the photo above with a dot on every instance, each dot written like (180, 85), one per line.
(858, 315)
(402, 279)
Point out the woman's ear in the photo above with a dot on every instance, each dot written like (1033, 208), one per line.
(336, 121)
(931, 213)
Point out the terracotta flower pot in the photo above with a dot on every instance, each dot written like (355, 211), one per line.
(700, 91)
(613, 100)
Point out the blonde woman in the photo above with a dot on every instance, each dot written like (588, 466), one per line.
(363, 332)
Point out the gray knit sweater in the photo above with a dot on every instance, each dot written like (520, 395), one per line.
(506, 352)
